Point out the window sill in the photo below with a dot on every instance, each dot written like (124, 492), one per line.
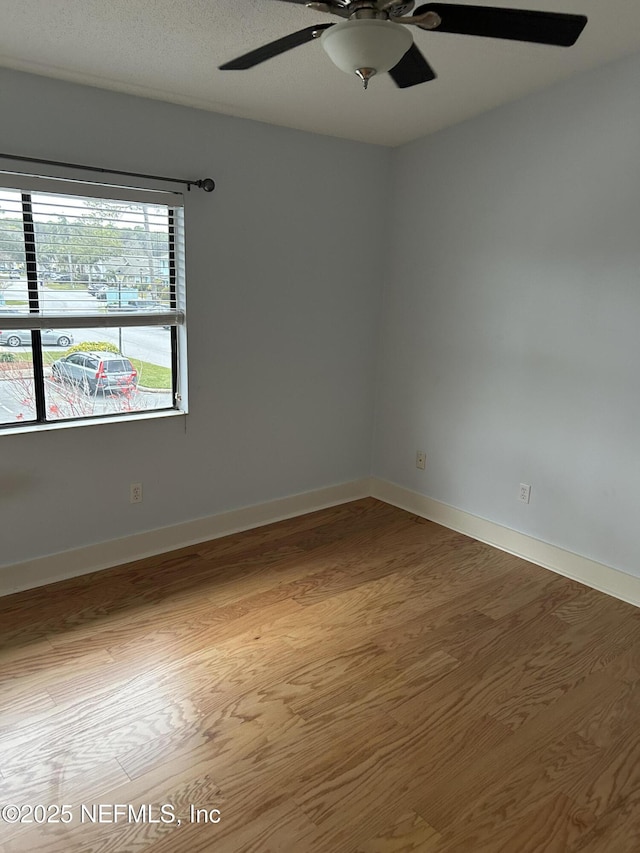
(112, 419)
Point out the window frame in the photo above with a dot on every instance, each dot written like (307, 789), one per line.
(36, 320)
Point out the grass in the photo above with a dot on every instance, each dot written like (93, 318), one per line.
(149, 375)
(65, 285)
(152, 375)
(17, 356)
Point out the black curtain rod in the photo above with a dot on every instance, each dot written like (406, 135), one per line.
(206, 184)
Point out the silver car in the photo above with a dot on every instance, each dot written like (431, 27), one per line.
(96, 371)
(22, 337)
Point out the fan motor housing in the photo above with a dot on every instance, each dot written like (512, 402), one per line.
(401, 9)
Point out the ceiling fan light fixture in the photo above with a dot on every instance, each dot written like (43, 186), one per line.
(374, 46)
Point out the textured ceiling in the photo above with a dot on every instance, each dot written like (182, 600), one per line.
(170, 50)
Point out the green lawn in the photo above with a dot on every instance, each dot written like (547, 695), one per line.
(152, 375)
(7, 355)
(65, 285)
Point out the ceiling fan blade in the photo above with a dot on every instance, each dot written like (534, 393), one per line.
(517, 24)
(274, 48)
(412, 69)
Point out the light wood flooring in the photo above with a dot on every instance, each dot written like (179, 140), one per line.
(357, 680)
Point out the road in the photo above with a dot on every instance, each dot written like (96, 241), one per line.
(152, 344)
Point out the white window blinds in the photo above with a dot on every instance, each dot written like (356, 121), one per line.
(79, 259)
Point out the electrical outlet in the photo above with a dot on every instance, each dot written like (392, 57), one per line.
(135, 493)
(525, 493)
(421, 459)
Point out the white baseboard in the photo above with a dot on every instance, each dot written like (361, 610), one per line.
(115, 552)
(595, 575)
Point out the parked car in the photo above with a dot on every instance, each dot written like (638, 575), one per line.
(96, 287)
(140, 305)
(79, 278)
(96, 371)
(149, 305)
(22, 337)
(14, 274)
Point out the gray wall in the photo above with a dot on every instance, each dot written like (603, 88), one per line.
(508, 346)
(510, 349)
(282, 318)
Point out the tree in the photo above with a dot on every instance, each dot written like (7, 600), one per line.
(80, 249)
(11, 245)
(11, 241)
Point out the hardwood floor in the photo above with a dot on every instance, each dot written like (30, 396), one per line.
(357, 680)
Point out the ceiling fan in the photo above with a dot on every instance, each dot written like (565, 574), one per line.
(371, 40)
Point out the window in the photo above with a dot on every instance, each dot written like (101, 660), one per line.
(91, 302)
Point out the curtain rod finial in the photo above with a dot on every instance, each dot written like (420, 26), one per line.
(206, 184)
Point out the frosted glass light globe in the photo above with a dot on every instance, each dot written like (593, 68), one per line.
(371, 44)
